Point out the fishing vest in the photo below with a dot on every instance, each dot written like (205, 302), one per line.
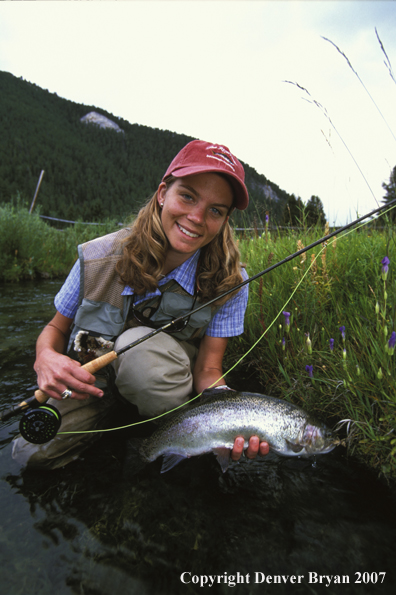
(104, 312)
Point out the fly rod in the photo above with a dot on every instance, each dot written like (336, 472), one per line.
(39, 399)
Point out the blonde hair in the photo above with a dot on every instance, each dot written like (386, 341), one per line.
(146, 247)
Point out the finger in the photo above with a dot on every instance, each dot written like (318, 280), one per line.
(253, 448)
(59, 395)
(78, 372)
(80, 391)
(237, 451)
(79, 396)
(264, 448)
(81, 388)
(75, 395)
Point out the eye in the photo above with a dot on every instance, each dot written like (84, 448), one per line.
(216, 213)
(187, 197)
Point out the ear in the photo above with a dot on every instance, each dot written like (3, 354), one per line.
(161, 192)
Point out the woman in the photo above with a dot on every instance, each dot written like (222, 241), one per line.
(178, 254)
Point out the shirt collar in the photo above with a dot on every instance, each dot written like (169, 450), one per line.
(184, 274)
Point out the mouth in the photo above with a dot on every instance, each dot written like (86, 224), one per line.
(190, 234)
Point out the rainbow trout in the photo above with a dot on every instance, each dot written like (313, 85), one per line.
(212, 423)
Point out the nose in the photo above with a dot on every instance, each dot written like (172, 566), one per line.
(197, 215)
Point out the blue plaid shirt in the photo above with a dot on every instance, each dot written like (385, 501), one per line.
(227, 322)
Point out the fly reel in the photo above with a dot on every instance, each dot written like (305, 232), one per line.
(41, 424)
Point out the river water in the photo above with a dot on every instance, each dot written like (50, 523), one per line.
(274, 525)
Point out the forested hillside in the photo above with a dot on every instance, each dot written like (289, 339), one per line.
(91, 173)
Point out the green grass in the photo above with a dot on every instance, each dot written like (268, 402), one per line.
(341, 287)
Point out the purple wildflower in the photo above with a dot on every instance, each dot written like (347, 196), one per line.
(392, 343)
(385, 266)
(331, 343)
(283, 343)
(266, 219)
(309, 369)
(342, 331)
(287, 320)
(392, 340)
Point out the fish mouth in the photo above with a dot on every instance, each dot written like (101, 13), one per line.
(318, 440)
(188, 233)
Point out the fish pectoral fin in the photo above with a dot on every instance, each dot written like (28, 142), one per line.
(171, 460)
(223, 457)
(294, 447)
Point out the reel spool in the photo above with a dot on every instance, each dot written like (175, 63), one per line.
(41, 424)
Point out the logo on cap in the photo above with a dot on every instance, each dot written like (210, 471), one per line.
(221, 154)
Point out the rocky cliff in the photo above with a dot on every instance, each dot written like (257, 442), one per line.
(101, 121)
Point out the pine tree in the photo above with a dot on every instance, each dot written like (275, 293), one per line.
(293, 211)
(314, 212)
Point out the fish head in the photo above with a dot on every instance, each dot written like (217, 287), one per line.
(317, 439)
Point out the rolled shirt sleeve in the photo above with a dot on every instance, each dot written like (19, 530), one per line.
(229, 320)
(66, 300)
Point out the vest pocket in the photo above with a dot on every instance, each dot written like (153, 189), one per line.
(174, 305)
(100, 318)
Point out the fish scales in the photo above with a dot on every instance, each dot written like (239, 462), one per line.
(213, 423)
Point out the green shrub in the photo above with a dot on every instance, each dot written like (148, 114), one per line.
(30, 247)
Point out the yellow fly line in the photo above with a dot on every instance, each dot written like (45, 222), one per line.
(245, 354)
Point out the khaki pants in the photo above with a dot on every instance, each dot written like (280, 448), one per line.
(156, 376)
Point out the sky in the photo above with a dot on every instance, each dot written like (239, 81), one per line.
(217, 70)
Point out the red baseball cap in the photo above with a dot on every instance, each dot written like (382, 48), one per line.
(199, 157)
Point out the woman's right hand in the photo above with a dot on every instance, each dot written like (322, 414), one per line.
(57, 372)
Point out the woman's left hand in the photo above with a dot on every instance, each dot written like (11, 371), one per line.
(255, 447)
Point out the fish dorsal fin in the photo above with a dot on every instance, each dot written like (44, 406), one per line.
(208, 393)
(223, 457)
(171, 460)
(294, 447)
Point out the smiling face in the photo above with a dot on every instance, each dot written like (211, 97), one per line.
(194, 209)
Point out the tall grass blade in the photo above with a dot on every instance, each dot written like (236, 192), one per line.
(362, 83)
